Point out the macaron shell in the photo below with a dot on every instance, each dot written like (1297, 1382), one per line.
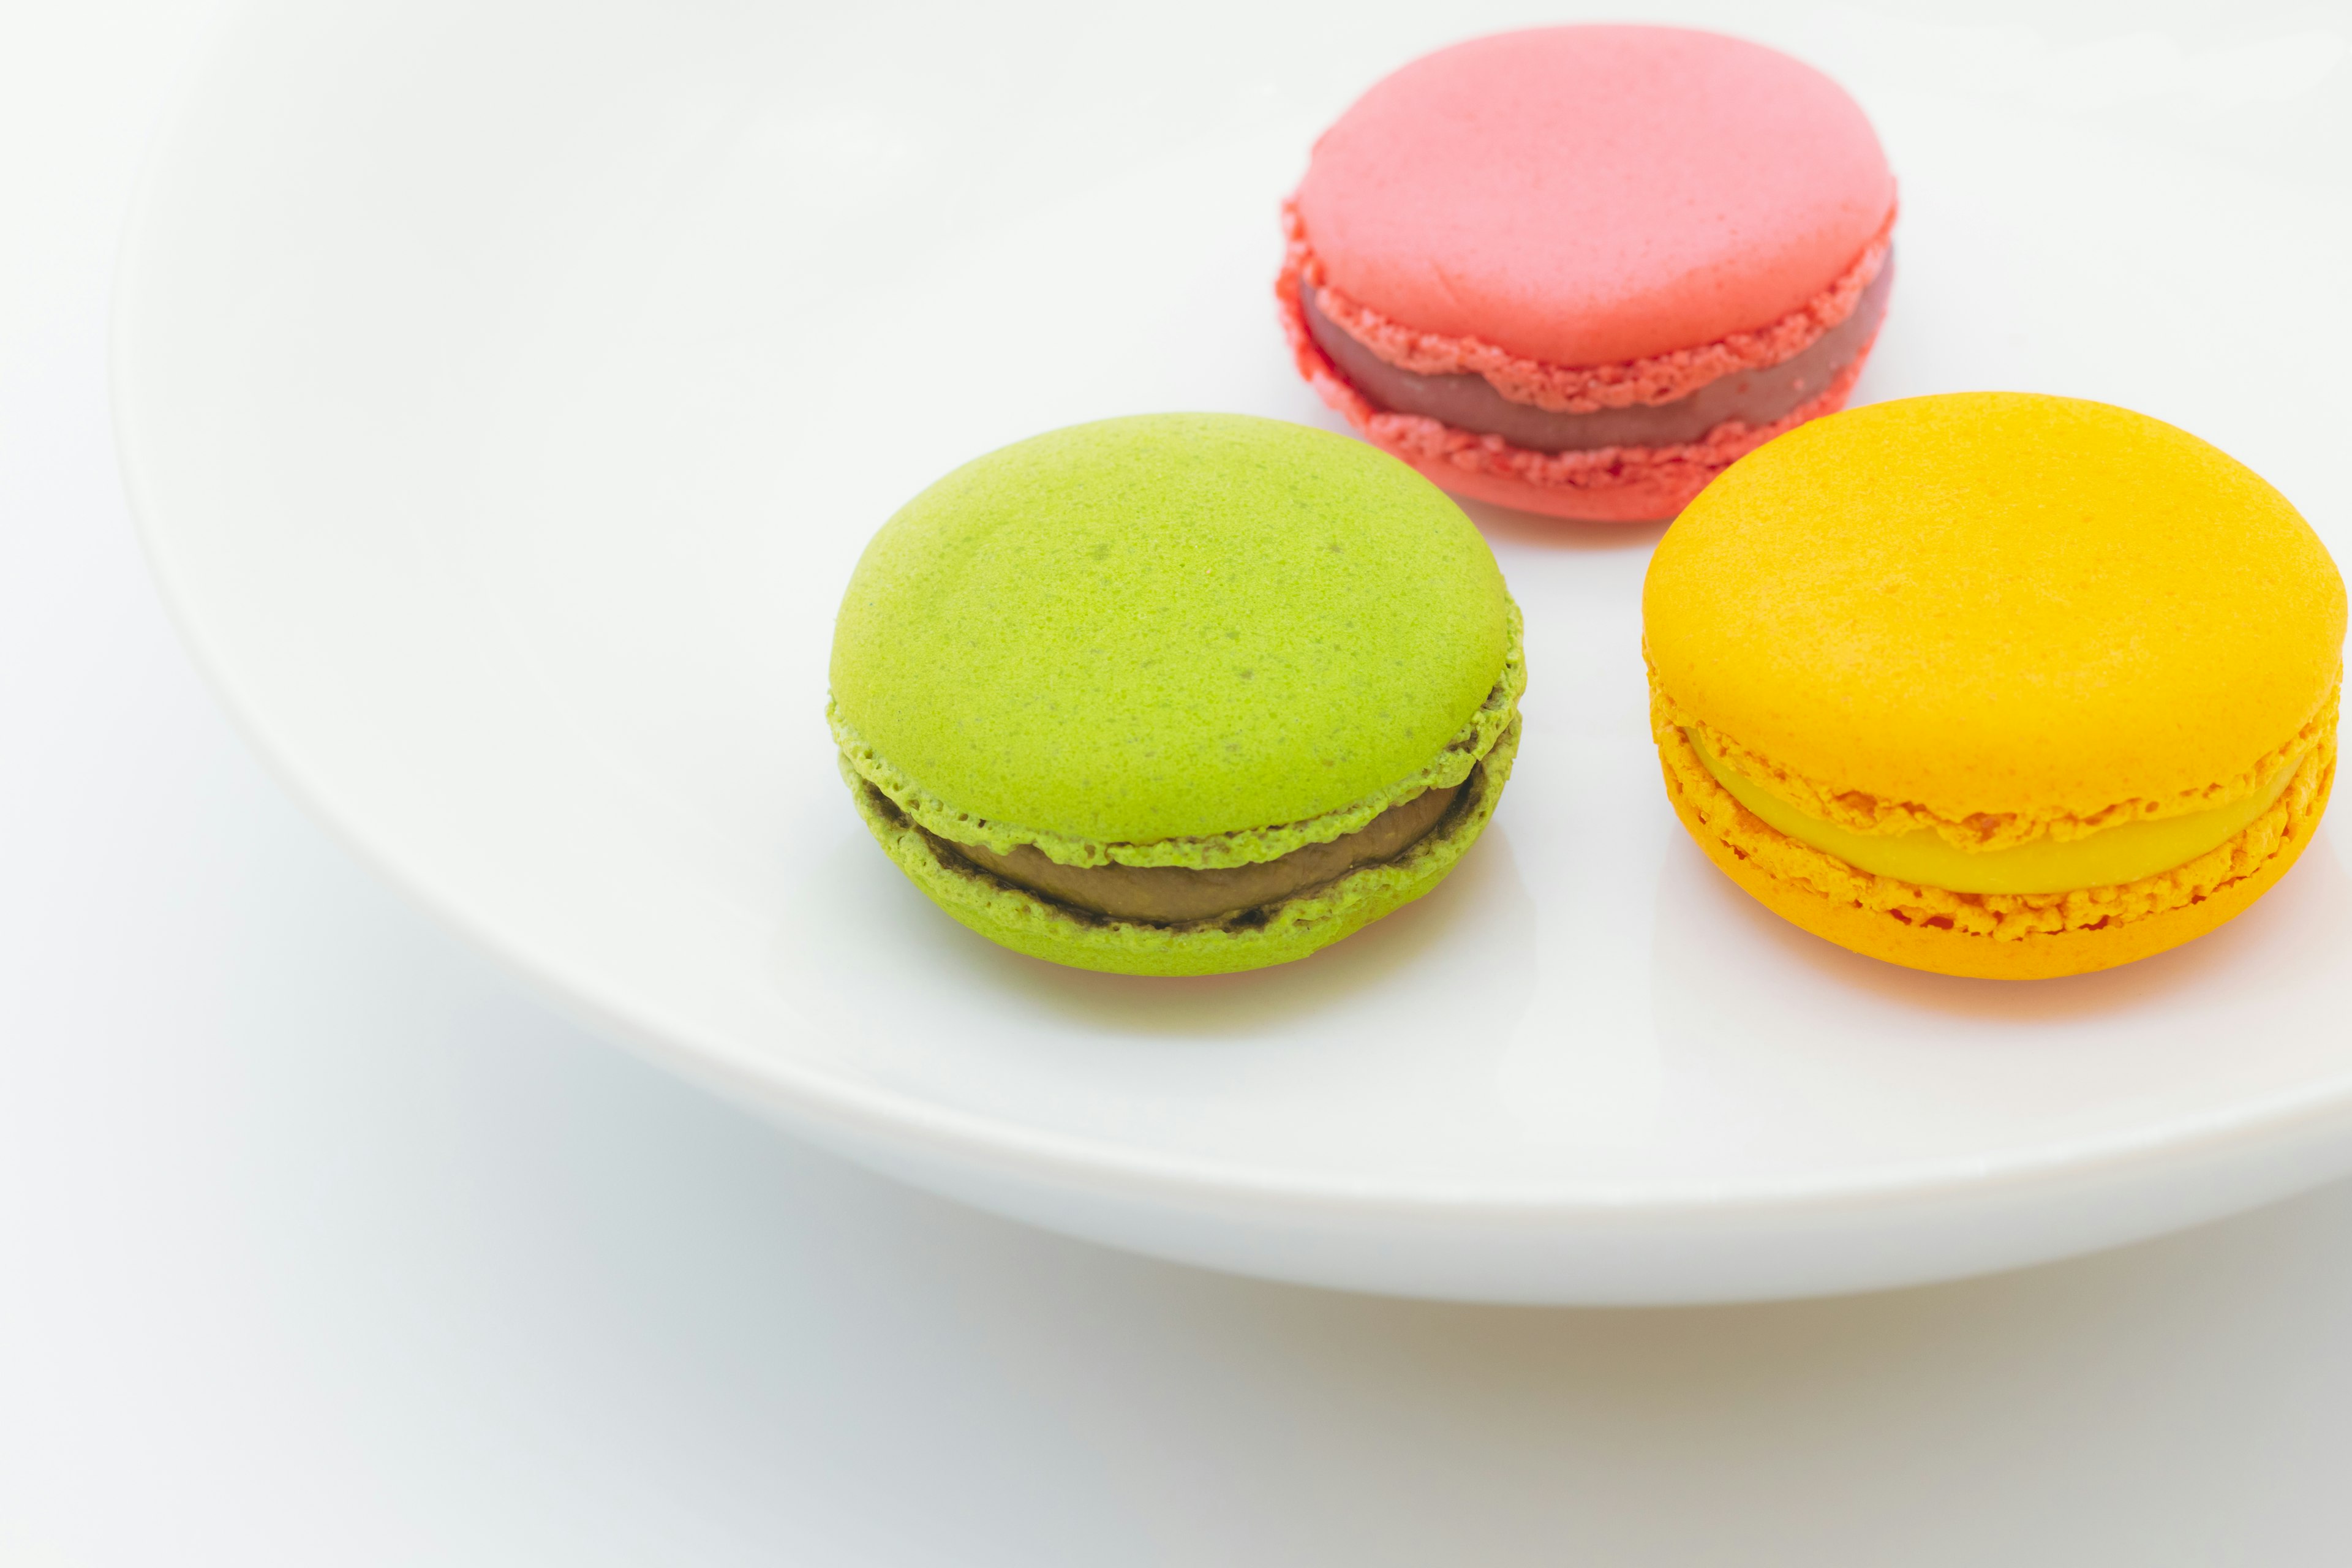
(1171, 626)
(1290, 930)
(1873, 935)
(1651, 497)
(1997, 606)
(1589, 194)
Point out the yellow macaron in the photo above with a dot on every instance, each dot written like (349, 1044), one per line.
(1996, 684)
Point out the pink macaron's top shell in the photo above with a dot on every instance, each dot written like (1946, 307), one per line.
(1586, 196)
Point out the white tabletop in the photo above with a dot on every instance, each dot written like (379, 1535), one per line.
(321, 1241)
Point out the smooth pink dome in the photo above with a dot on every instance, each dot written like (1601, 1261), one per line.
(1589, 194)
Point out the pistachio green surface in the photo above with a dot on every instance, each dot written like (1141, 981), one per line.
(1153, 639)
(1278, 934)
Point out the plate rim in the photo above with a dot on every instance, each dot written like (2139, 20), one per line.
(814, 1099)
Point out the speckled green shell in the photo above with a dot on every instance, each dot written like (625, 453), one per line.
(1176, 639)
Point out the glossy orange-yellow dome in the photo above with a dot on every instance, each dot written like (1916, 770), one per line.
(1998, 604)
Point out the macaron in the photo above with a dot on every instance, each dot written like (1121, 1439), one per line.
(1579, 270)
(1178, 694)
(1996, 684)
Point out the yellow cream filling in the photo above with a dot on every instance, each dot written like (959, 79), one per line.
(2124, 853)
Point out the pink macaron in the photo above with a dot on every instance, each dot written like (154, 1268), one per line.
(1579, 270)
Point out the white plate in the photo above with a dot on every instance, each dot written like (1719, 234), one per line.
(505, 391)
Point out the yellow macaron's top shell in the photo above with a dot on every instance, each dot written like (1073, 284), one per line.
(2000, 615)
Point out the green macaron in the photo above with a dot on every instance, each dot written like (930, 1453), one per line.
(1179, 694)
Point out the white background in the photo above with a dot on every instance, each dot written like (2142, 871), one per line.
(321, 1242)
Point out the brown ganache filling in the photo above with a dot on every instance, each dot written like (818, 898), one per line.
(1176, 893)
(1469, 402)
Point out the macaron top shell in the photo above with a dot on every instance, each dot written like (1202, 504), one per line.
(1170, 627)
(1586, 196)
(1998, 611)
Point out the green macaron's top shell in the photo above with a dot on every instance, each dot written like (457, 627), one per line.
(1155, 639)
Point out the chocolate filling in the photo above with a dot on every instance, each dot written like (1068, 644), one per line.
(1176, 893)
(1470, 401)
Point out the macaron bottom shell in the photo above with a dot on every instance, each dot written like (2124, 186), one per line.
(1880, 918)
(1654, 498)
(1283, 933)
